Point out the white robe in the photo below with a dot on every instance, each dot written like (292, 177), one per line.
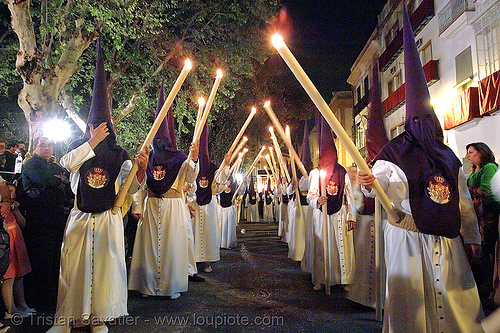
(228, 226)
(283, 216)
(228, 221)
(160, 261)
(206, 227)
(93, 276)
(268, 216)
(339, 239)
(428, 274)
(306, 263)
(296, 222)
(190, 197)
(252, 210)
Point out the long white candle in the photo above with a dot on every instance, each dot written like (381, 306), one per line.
(274, 162)
(201, 104)
(281, 160)
(251, 168)
(152, 132)
(326, 247)
(208, 105)
(268, 160)
(288, 143)
(242, 130)
(238, 149)
(325, 110)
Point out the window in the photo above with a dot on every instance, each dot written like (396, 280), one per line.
(366, 86)
(392, 33)
(426, 53)
(358, 94)
(410, 6)
(360, 136)
(463, 66)
(394, 83)
(396, 130)
(487, 40)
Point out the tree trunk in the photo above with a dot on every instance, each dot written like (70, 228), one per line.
(41, 86)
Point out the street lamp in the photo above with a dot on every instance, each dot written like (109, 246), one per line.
(56, 130)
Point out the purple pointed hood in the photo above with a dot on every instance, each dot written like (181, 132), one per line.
(171, 127)
(376, 136)
(163, 133)
(164, 161)
(430, 167)
(207, 171)
(305, 152)
(421, 121)
(335, 173)
(99, 107)
(96, 185)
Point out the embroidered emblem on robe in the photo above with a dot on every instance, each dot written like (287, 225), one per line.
(332, 188)
(96, 177)
(438, 190)
(203, 182)
(159, 172)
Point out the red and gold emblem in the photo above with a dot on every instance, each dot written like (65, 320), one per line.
(96, 177)
(332, 188)
(159, 172)
(438, 190)
(203, 182)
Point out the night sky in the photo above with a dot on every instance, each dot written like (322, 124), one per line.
(327, 36)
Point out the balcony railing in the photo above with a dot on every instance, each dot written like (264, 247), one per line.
(397, 98)
(361, 104)
(464, 108)
(451, 11)
(418, 20)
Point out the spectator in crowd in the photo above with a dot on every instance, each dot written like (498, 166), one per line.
(12, 286)
(487, 209)
(44, 205)
(9, 160)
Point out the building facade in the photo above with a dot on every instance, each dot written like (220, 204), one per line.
(459, 44)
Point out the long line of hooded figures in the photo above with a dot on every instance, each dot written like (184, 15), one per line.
(188, 209)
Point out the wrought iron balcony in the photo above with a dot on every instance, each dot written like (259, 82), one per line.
(452, 11)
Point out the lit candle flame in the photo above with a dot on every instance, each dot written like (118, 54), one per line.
(245, 138)
(188, 64)
(219, 73)
(277, 40)
(201, 101)
(254, 110)
(267, 103)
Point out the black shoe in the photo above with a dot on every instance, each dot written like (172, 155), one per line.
(196, 278)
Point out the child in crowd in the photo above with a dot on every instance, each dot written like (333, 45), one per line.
(12, 287)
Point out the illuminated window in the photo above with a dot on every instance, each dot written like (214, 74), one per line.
(394, 82)
(487, 42)
(426, 53)
(396, 130)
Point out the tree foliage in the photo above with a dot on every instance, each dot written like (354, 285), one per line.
(49, 58)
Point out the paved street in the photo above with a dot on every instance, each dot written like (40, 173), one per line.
(254, 287)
